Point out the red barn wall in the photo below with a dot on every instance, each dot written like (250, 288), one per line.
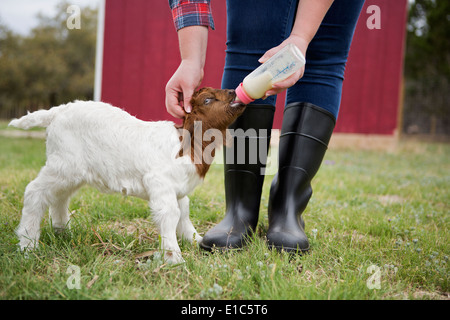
(140, 54)
(373, 76)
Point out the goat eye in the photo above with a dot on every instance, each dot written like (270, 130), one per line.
(208, 100)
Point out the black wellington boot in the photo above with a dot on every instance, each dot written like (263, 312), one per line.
(305, 133)
(244, 166)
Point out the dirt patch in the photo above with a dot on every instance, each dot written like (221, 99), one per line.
(23, 134)
(390, 199)
(142, 228)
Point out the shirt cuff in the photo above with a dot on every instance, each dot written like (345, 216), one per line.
(188, 13)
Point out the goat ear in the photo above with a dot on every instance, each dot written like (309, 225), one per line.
(185, 139)
(180, 127)
(193, 102)
(186, 131)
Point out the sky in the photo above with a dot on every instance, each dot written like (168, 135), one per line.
(20, 15)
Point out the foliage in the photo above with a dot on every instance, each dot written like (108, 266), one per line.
(50, 66)
(427, 67)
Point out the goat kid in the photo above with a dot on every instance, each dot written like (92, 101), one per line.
(97, 144)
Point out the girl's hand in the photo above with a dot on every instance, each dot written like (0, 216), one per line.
(181, 87)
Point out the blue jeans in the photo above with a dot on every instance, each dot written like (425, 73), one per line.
(255, 26)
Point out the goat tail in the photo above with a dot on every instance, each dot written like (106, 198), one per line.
(40, 118)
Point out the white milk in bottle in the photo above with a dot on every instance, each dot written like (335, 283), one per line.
(279, 67)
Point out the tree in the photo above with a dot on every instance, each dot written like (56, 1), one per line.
(427, 67)
(53, 65)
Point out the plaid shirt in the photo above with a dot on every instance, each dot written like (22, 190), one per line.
(191, 13)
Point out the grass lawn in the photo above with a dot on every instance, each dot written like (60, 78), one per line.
(377, 222)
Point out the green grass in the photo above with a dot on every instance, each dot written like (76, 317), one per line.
(371, 211)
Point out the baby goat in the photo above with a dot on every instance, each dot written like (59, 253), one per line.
(97, 144)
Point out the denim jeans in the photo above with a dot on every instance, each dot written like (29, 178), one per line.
(255, 26)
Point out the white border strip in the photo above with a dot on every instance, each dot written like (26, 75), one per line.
(99, 51)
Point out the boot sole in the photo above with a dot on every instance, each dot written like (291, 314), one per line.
(220, 249)
(288, 249)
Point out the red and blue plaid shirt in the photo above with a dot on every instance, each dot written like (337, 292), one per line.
(191, 13)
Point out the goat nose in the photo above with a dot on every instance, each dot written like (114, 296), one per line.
(230, 92)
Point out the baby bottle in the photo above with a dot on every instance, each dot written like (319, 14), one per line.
(280, 66)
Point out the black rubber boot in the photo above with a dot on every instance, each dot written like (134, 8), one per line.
(245, 161)
(305, 133)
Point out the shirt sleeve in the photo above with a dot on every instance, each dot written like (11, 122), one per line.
(191, 13)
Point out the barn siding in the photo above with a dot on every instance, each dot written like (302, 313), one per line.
(372, 86)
